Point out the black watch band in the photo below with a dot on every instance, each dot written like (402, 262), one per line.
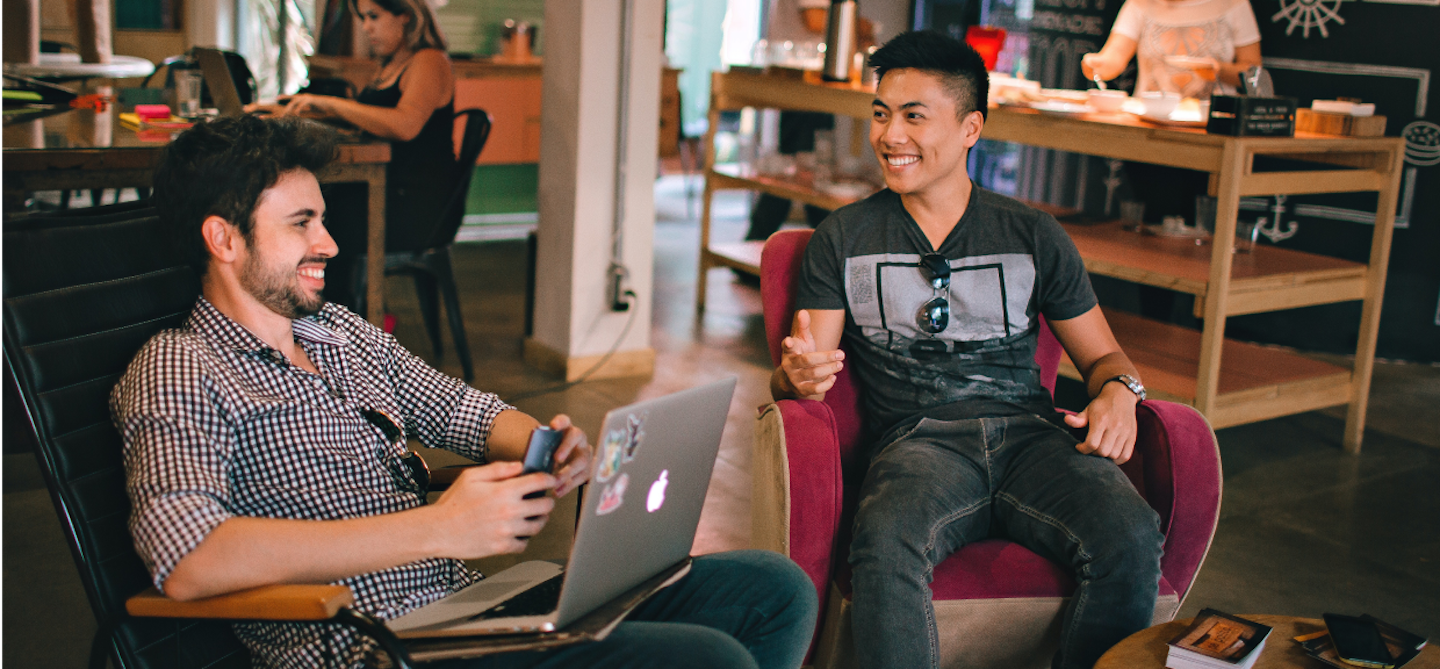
(1130, 382)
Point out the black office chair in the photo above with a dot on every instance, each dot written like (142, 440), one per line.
(83, 291)
(430, 264)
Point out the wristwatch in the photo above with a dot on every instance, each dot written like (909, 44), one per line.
(1130, 382)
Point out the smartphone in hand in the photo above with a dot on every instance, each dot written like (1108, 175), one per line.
(540, 455)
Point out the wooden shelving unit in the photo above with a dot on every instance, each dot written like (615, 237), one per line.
(1179, 364)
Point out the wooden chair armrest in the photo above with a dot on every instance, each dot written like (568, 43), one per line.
(271, 602)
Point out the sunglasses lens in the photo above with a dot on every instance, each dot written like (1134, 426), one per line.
(385, 423)
(418, 470)
(934, 316)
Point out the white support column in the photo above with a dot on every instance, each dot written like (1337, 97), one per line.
(210, 23)
(574, 325)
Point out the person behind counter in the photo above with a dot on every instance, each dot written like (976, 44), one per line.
(1189, 47)
(411, 102)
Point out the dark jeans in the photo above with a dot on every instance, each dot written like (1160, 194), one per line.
(735, 609)
(945, 484)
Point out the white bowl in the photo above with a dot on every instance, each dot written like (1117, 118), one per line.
(1107, 100)
(1159, 104)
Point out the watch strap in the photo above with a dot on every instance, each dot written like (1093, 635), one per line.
(1129, 382)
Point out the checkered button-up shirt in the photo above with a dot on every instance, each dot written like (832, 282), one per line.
(218, 424)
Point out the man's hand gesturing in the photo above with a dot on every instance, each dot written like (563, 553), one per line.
(806, 372)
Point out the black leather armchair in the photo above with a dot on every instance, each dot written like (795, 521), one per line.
(83, 290)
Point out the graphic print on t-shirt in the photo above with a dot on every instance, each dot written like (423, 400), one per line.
(988, 297)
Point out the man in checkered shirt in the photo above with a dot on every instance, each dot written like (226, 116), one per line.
(256, 446)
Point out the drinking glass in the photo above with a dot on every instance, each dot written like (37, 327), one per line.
(1245, 234)
(1205, 213)
(1132, 214)
(187, 92)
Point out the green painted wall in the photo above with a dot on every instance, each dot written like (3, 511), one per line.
(473, 26)
(504, 189)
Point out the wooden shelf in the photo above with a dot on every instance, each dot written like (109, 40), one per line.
(1267, 279)
(1256, 383)
(744, 256)
(800, 187)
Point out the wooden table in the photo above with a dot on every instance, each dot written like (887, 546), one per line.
(82, 149)
(1147, 648)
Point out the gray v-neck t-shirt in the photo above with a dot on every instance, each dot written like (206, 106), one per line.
(1009, 264)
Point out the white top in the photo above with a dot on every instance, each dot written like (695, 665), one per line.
(1196, 28)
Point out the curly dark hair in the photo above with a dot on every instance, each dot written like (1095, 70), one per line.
(955, 62)
(220, 168)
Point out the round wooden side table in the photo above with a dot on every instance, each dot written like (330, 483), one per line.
(1147, 648)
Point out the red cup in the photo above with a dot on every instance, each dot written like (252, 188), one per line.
(987, 42)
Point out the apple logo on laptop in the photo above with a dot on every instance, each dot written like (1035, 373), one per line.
(657, 492)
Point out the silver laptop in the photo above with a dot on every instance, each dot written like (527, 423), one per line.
(653, 466)
(217, 78)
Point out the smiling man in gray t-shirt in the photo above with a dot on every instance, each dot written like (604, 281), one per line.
(936, 288)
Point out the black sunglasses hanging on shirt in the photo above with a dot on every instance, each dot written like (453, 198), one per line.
(934, 315)
(418, 479)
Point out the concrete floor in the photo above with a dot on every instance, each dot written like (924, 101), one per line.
(1304, 528)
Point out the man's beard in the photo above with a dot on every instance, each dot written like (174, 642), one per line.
(272, 290)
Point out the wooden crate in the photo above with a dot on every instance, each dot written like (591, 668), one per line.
(1327, 123)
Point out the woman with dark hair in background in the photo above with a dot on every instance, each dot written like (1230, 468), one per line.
(411, 102)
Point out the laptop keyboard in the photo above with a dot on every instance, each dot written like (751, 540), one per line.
(539, 600)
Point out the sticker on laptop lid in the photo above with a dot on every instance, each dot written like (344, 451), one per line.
(634, 433)
(611, 452)
(613, 495)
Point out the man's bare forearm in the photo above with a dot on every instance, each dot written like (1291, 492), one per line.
(245, 552)
(1108, 367)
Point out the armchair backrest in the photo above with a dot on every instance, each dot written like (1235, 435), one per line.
(779, 277)
(82, 293)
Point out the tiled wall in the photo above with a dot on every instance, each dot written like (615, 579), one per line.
(473, 26)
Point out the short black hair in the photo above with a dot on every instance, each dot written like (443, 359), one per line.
(220, 167)
(958, 65)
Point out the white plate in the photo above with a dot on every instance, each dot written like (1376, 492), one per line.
(1179, 118)
(1062, 108)
(1065, 95)
(1189, 232)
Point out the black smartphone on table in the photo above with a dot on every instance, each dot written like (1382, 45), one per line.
(1358, 642)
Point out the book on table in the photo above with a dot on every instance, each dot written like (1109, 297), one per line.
(1402, 644)
(1217, 640)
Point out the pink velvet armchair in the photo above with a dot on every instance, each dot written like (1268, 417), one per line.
(996, 603)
